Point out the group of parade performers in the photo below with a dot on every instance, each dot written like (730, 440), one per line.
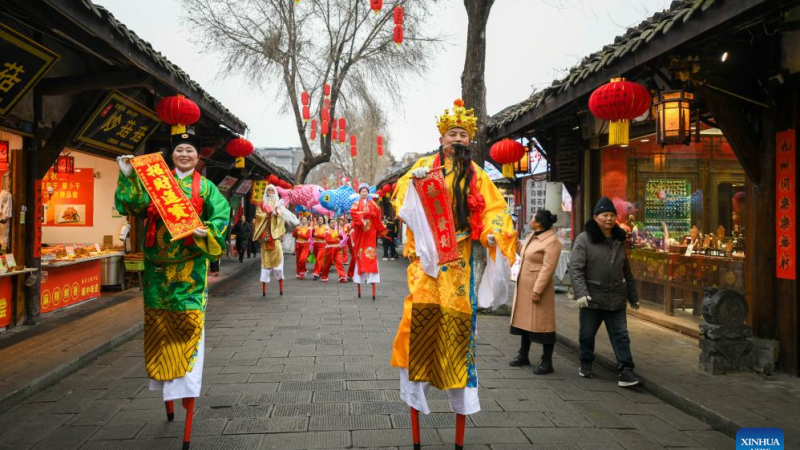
(448, 204)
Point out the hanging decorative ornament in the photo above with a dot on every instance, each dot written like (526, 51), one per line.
(326, 89)
(342, 136)
(397, 36)
(324, 129)
(178, 111)
(507, 152)
(305, 98)
(380, 145)
(326, 104)
(618, 102)
(239, 148)
(325, 114)
(342, 124)
(306, 113)
(313, 132)
(334, 134)
(376, 5)
(399, 15)
(353, 145)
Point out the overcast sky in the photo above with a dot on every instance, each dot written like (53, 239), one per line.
(529, 43)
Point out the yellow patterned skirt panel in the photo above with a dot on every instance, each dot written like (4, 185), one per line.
(171, 339)
(271, 254)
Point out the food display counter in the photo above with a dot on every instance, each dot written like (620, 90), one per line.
(678, 280)
(66, 282)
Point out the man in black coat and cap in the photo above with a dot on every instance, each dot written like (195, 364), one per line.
(604, 286)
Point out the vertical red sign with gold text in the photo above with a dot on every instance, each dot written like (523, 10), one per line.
(5, 302)
(785, 205)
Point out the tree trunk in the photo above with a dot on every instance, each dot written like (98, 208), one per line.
(473, 92)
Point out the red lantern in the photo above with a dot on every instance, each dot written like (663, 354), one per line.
(313, 133)
(397, 36)
(325, 114)
(324, 129)
(618, 102)
(353, 150)
(327, 90)
(342, 123)
(239, 148)
(380, 145)
(507, 152)
(305, 98)
(178, 111)
(334, 134)
(376, 5)
(399, 15)
(380, 151)
(342, 136)
(306, 113)
(326, 104)
(353, 139)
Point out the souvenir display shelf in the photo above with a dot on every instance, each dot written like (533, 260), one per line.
(668, 201)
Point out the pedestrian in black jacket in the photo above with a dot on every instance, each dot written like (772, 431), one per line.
(603, 283)
(244, 232)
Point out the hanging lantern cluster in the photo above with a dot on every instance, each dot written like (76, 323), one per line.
(239, 148)
(353, 146)
(313, 132)
(399, 18)
(380, 145)
(618, 102)
(65, 165)
(306, 100)
(673, 117)
(507, 152)
(178, 111)
(342, 129)
(275, 181)
(376, 5)
(387, 190)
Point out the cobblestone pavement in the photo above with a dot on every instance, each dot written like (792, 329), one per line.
(310, 370)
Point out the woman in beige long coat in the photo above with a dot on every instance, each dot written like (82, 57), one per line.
(533, 316)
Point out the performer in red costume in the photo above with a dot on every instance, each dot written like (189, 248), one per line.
(351, 268)
(334, 240)
(318, 235)
(367, 226)
(302, 246)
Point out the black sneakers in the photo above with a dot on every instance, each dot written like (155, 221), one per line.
(519, 362)
(544, 367)
(586, 370)
(627, 378)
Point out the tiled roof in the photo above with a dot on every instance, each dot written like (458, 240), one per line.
(680, 12)
(161, 60)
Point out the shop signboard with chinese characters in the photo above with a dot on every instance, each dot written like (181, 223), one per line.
(66, 286)
(786, 206)
(176, 211)
(23, 62)
(535, 199)
(257, 193)
(244, 187)
(119, 124)
(227, 183)
(68, 198)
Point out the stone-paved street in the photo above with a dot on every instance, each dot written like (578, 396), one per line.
(311, 370)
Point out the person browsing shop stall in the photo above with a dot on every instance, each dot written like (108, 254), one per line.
(604, 285)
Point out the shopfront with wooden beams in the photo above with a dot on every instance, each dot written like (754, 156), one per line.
(94, 59)
(739, 59)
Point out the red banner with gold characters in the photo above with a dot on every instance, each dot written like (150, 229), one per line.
(785, 206)
(432, 191)
(174, 208)
(66, 286)
(5, 302)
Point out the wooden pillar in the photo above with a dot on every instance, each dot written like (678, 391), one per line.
(19, 229)
(33, 241)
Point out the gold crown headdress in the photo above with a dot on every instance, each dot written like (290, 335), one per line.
(460, 118)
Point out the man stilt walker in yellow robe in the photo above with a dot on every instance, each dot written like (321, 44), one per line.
(447, 202)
